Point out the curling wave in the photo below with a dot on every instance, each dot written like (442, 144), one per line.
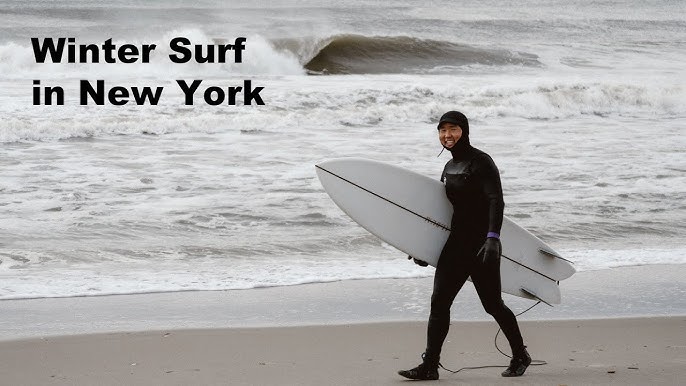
(357, 54)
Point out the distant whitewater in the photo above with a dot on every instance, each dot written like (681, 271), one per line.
(417, 99)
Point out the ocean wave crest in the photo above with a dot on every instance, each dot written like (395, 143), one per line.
(359, 54)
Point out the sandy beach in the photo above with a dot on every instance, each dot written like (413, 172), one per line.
(346, 333)
(635, 351)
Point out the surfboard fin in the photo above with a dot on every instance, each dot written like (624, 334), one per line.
(553, 254)
(530, 293)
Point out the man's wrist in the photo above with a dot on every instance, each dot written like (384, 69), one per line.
(493, 235)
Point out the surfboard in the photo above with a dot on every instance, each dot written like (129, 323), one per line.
(411, 212)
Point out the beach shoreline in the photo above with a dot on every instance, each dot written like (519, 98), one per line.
(655, 290)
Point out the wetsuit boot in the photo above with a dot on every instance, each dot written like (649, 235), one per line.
(520, 361)
(426, 371)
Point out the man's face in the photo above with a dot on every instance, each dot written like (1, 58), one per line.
(449, 134)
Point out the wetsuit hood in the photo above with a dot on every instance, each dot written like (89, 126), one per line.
(456, 118)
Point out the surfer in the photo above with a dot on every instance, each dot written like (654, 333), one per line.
(472, 184)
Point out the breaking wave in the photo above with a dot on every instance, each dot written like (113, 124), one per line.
(366, 106)
(358, 54)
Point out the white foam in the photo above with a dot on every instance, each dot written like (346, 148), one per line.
(595, 259)
(206, 274)
(157, 275)
(348, 100)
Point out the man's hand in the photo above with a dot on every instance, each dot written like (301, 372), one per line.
(491, 250)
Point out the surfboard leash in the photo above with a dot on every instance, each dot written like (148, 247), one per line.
(534, 362)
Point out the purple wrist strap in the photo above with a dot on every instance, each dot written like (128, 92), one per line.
(493, 235)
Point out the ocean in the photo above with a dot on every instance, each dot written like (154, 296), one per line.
(580, 103)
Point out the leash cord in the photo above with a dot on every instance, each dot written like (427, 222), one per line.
(534, 362)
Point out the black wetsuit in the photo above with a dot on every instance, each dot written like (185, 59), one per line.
(473, 187)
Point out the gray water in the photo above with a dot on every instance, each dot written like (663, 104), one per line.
(581, 104)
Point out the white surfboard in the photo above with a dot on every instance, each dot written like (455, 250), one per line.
(411, 212)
